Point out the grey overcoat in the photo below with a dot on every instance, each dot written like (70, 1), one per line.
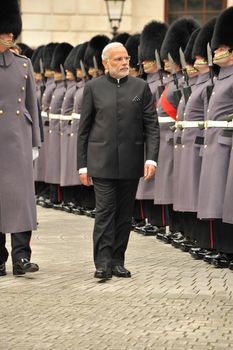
(146, 188)
(187, 182)
(65, 132)
(52, 174)
(164, 176)
(40, 163)
(19, 132)
(216, 152)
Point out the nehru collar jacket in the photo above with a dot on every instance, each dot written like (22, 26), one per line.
(118, 118)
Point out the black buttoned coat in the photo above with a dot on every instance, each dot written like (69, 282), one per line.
(117, 117)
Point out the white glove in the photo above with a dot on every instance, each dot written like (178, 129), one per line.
(35, 153)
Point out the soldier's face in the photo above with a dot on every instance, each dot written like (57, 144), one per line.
(118, 62)
(69, 75)
(8, 37)
(149, 66)
(223, 56)
(201, 65)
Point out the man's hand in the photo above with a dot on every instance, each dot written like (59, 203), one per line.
(149, 171)
(85, 179)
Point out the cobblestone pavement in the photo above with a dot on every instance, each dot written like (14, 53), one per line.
(172, 302)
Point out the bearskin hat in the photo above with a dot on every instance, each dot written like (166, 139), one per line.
(59, 56)
(131, 46)
(36, 57)
(47, 55)
(203, 38)
(177, 36)
(69, 62)
(223, 31)
(189, 47)
(80, 53)
(25, 50)
(10, 18)
(152, 37)
(94, 48)
(121, 38)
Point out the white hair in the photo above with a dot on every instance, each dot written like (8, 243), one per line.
(107, 48)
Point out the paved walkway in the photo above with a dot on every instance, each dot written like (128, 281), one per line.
(172, 302)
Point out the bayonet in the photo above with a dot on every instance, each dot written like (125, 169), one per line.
(210, 62)
(211, 68)
(63, 74)
(173, 70)
(177, 93)
(83, 70)
(140, 72)
(186, 90)
(160, 71)
(95, 66)
(183, 65)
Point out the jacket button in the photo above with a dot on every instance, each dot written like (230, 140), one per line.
(19, 99)
(18, 112)
(22, 88)
(25, 65)
(205, 146)
(1, 112)
(71, 134)
(25, 77)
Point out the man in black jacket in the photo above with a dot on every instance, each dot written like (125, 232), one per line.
(118, 118)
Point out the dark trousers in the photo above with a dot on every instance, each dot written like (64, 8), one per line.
(20, 243)
(114, 210)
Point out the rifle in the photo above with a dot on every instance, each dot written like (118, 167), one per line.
(209, 88)
(187, 89)
(177, 93)
(43, 81)
(160, 71)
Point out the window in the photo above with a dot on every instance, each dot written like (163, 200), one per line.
(201, 10)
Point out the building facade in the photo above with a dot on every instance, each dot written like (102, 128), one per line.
(76, 21)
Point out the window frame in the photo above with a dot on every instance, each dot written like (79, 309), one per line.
(185, 12)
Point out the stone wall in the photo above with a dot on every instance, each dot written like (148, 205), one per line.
(76, 21)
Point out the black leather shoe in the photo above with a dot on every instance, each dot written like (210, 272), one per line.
(103, 274)
(149, 230)
(77, 211)
(198, 253)
(222, 261)
(2, 269)
(121, 271)
(208, 257)
(47, 204)
(186, 246)
(23, 266)
(91, 213)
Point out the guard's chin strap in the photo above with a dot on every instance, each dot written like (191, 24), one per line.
(6, 43)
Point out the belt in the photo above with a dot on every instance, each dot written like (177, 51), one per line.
(163, 120)
(44, 114)
(65, 117)
(215, 124)
(76, 116)
(188, 124)
(54, 116)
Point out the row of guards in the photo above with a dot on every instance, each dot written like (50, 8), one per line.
(189, 70)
